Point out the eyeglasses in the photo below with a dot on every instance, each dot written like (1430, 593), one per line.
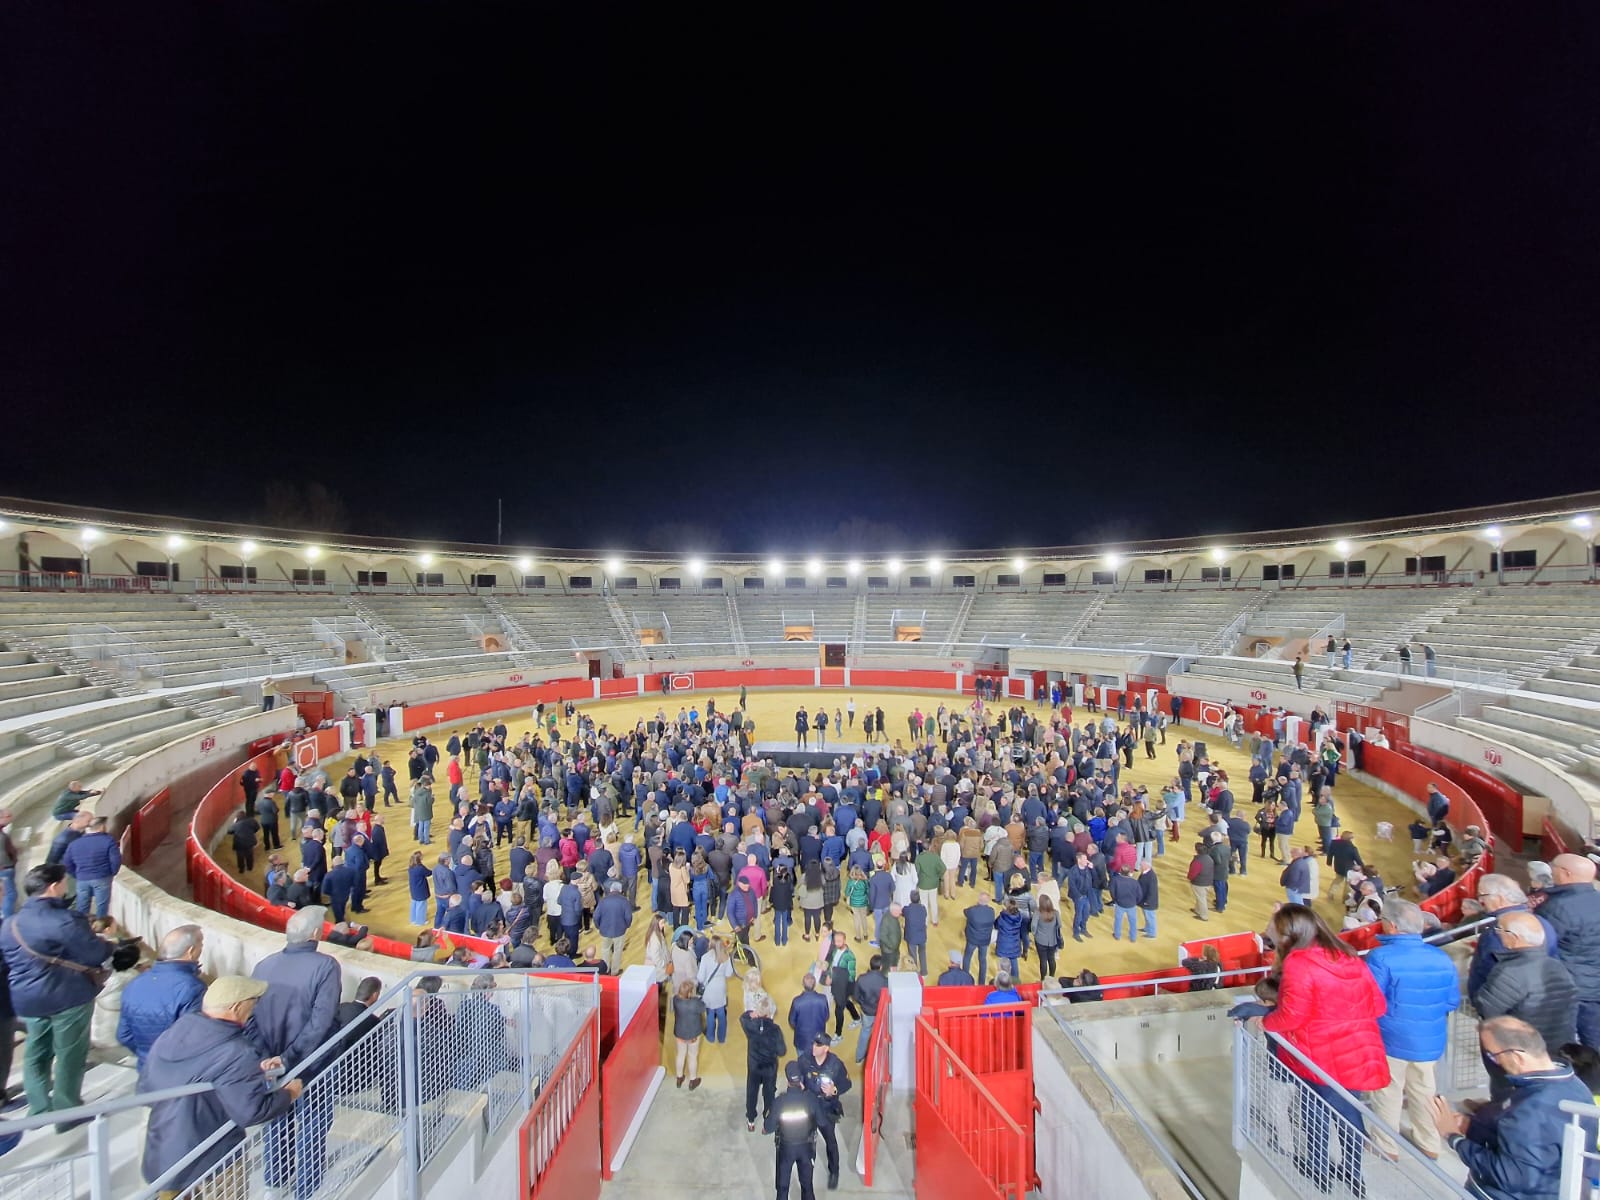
(1494, 1055)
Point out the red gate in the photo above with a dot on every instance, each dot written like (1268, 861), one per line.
(561, 1133)
(967, 1144)
(875, 1073)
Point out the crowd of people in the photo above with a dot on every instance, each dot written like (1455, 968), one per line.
(1375, 1027)
(676, 823)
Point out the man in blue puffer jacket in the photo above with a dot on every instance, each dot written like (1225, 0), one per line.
(152, 1003)
(1422, 987)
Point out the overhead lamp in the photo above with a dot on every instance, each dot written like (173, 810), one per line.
(524, 563)
(936, 565)
(813, 566)
(1343, 547)
(1492, 533)
(247, 548)
(90, 535)
(174, 543)
(1582, 521)
(425, 560)
(1019, 563)
(697, 566)
(1218, 554)
(613, 565)
(853, 567)
(774, 566)
(1113, 561)
(313, 553)
(893, 566)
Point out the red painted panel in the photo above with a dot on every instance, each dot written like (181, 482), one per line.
(616, 689)
(150, 826)
(625, 1075)
(940, 681)
(574, 1172)
(457, 708)
(944, 1170)
(832, 676)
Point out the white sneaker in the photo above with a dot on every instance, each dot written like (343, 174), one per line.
(854, 1025)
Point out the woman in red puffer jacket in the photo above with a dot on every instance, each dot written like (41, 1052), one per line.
(1328, 1009)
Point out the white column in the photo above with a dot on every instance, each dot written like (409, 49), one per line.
(958, 679)
(596, 682)
(397, 721)
(905, 1005)
(633, 986)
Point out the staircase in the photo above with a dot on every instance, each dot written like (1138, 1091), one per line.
(624, 624)
(736, 626)
(1084, 621)
(70, 664)
(388, 632)
(957, 626)
(284, 654)
(858, 625)
(1223, 642)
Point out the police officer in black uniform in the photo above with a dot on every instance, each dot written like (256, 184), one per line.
(827, 1080)
(794, 1120)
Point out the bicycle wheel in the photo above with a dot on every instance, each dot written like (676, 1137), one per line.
(746, 956)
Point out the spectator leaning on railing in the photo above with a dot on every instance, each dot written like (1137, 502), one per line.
(1528, 984)
(210, 1046)
(1499, 894)
(1328, 1009)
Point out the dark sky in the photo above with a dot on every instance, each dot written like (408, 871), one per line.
(730, 285)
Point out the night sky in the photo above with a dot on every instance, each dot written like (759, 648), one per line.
(826, 287)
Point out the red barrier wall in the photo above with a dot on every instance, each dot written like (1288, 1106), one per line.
(150, 826)
(1499, 802)
(459, 708)
(874, 1088)
(1411, 777)
(941, 681)
(626, 1071)
(574, 1171)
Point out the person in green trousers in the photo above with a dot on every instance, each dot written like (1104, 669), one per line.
(53, 959)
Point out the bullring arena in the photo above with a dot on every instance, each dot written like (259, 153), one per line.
(151, 660)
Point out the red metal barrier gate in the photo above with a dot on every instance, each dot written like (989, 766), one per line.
(561, 1133)
(875, 1090)
(967, 1144)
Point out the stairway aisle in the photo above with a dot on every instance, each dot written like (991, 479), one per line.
(695, 1143)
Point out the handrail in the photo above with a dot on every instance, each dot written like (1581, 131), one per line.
(104, 1108)
(1575, 1152)
(1120, 1099)
(1369, 1118)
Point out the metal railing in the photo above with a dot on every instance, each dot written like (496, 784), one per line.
(1314, 1137)
(1580, 1165)
(114, 650)
(381, 1097)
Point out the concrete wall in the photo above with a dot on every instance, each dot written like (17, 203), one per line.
(469, 683)
(1084, 1147)
(1078, 662)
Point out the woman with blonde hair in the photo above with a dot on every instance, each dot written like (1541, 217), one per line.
(688, 1023)
(755, 990)
(658, 957)
(715, 968)
(678, 876)
(552, 900)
